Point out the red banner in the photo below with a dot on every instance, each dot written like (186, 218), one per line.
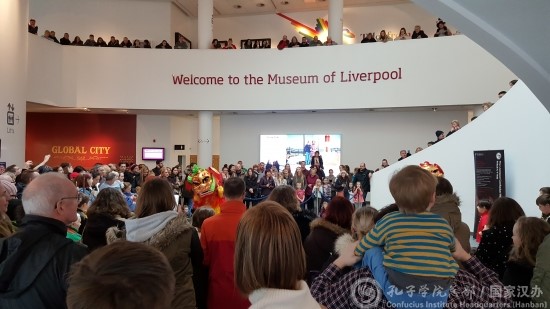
(81, 139)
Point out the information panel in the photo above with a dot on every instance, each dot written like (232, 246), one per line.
(489, 177)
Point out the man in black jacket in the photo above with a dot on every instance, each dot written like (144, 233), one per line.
(65, 40)
(418, 33)
(156, 170)
(363, 176)
(52, 36)
(35, 262)
(33, 28)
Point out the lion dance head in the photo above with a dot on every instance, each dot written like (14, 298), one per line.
(433, 168)
(206, 184)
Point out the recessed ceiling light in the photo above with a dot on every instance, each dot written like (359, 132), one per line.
(237, 6)
(260, 5)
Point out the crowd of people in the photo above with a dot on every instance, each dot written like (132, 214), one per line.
(69, 222)
(181, 43)
(114, 236)
(418, 33)
(100, 42)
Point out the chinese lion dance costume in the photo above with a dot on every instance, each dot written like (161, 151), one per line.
(433, 168)
(206, 184)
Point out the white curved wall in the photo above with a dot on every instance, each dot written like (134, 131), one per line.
(517, 123)
(433, 72)
(506, 29)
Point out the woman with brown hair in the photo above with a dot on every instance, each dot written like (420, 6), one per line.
(286, 196)
(496, 241)
(175, 179)
(158, 224)
(165, 172)
(84, 183)
(143, 173)
(251, 185)
(111, 277)
(299, 177)
(275, 279)
(528, 234)
(342, 183)
(447, 205)
(287, 168)
(108, 210)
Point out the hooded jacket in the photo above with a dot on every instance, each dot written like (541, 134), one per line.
(171, 234)
(319, 244)
(34, 264)
(447, 206)
(303, 218)
(97, 224)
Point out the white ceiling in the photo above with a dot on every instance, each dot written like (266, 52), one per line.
(257, 7)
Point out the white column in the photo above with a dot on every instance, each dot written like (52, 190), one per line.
(206, 28)
(205, 23)
(14, 16)
(336, 20)
(205, 139)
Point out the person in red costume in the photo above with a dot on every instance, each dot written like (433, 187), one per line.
(483, 208)
(207, 188)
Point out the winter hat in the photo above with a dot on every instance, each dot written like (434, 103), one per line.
(438, 133)
(73, 175)
(8, 186)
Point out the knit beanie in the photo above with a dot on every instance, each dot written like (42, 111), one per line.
(8, 186)
(438, 133)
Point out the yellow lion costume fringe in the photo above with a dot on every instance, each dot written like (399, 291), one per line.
(207, 187)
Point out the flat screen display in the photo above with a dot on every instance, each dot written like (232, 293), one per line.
(152, 153)
(293, 148)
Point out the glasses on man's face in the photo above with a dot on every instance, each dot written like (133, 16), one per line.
(78, 199)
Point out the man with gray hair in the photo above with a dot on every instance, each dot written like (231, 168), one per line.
(35, 261)
(111, 181)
